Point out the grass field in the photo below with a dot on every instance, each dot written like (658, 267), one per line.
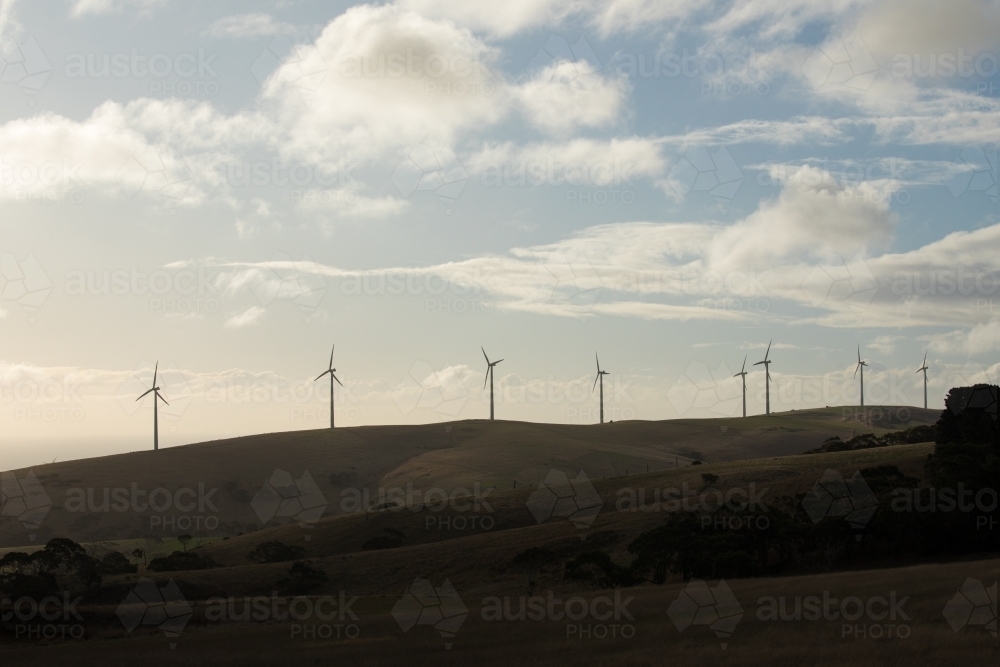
(446, 456)
(466, 548)
(919, 634)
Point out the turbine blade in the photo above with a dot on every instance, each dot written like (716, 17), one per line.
(759, 363)
(768, 349)
(744, 364)
(489, 369)
(595, 383)
(331, 356)
(155, 369)
(856, 369)
(496, 362)
(598, 362)
(337, 379)
(859, 354)
(322, 374)
(161, 398)
(141, 397)
(484, 354)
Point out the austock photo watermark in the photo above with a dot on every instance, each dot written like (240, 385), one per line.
(169, 511)
(50, 617)
(603, 180)
(192, 288)
(49, 399)
(461, 509)
(53, 182)
(186, 74)
(459, 73)
(746, 507)
(595, 618)
(308, 617)
(722, 75)
(871, 617)
(851, 498)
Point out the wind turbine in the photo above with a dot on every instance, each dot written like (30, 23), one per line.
(156, 395)
(923, 367)
(600, 377)
(331, 370)
(489, 378)
(861, 366)
(743, 374)
(767, 379)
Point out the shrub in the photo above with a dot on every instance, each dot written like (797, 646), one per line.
(275, 552)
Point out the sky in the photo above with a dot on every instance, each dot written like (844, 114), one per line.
(227, 189)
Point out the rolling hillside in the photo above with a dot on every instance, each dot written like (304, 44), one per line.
(222, 477)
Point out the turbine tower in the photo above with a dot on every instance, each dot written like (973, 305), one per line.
(923, 367)
(156, 396)
(331, 370)
(861, 366)
(489, 378)
(767, 378)
(600, 377)
(743, 374)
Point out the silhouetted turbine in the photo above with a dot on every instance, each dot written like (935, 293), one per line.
(767, 379)
(489, 378)
(743, 374)
(861, 365)
(156, 395)
(600, 377)
(331, 370)
(923, 367)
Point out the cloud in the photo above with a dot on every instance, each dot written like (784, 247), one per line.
(6, 7)
(577, 162)
(84, 7)
(348, 202)
(928, 27)
(251, 315)
(170, 149)
(813, 217)
(380, 79)
(500, 20)
(885, 344)
(249, 25)
(980, 339)
(569, 95)
(797, 130)
(515, 16)
(815, 247)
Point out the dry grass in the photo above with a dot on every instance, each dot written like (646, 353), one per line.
(656, 641)
(447, 456)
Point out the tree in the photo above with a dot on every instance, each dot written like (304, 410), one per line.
(708, 479)
(184, 540)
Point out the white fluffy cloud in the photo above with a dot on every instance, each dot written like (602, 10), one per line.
(814, 217)
(569, 95)
(980, 339)
(380, 78)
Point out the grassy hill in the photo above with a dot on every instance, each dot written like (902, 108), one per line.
(449, 456)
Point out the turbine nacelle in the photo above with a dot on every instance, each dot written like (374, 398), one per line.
(600, 373)
(861, 363)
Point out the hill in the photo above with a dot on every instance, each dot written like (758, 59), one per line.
(104, 498)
